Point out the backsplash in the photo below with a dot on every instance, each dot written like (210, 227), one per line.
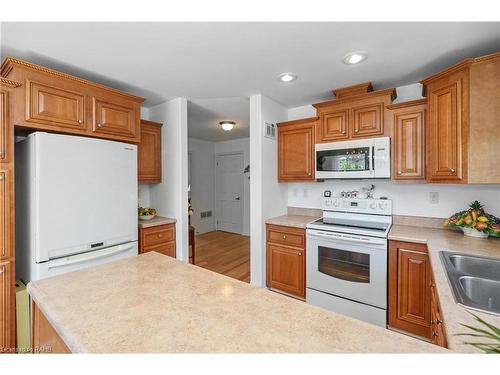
(408, 199)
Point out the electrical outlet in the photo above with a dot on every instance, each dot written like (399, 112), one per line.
(433, 197)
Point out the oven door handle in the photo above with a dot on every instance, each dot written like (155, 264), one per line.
(349, 238)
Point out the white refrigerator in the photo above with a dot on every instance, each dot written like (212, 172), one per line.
(76, 203)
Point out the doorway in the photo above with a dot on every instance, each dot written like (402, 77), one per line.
(229, 192)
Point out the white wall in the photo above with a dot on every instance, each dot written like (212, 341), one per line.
(144, 198)
(170, 196)
(409, 198)
(240, 145)
(268, 197)
(202, 183)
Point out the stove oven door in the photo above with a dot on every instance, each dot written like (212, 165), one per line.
(348, 266)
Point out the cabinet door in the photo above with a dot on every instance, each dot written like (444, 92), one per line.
(53, 105)
(285, 269)
(445, 135)
(149, 153)
(5, 307)
(409, 288)
(5, 213)
(408, 142)
(438, 334)
(164, 248)
(367, 120)
(334, 125)
(111, 118)
(4, 127)
(296, 152)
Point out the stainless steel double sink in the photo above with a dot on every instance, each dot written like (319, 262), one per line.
(474, 280)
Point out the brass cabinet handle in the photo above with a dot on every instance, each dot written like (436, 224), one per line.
(99, 125)
(2, 154)
(432, 285)
(2, 177)
(452, 170)
(356, 130)
(309, 174)
(284, 237)
(160, 236)
(343, 131)
(399, 172)
(300, 254)
(80, 121)
(2, 270)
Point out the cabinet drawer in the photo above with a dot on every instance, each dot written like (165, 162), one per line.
(53, 105)
(286, 236)
(157, 235)
(113, 118)
(164, 248)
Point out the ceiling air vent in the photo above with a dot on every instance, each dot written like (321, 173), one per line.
(270, 130)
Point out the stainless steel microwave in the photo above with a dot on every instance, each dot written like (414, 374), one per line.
(360, 158)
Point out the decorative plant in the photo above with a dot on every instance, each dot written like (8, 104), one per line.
(488, 332)
(475, 218)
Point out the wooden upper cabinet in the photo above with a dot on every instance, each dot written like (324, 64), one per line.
(149, 152)
(5, 212)
(409, 288)
(50, 104)
(334, 125)
(4, 125)
(446, 136)
(358, 112)
(296, 150)
(408, 129)
(55, 101)
(115, 118)
(367, 120)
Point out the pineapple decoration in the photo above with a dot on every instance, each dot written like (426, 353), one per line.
(474, 222)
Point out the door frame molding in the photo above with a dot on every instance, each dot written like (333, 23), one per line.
(229, 153)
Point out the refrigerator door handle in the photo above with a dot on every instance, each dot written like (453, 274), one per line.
(89, 256)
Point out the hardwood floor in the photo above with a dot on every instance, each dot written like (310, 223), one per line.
(225, 253)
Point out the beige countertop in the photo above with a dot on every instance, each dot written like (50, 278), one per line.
(297, 221)
(448, 240)
(158, 220)
(154, 303)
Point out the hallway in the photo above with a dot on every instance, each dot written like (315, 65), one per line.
(224, 253)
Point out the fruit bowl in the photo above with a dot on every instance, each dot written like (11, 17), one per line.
(147, 217)
(473, 232)
(146, 213)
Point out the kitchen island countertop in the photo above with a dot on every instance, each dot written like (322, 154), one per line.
(154, 303)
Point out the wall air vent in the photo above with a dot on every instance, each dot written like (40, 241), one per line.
(270, 130)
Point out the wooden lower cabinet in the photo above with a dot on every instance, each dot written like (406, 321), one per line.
(286, 266)
(45, 338)
(7, 310)
(413, 302)
(409, 288)
(438, 333)
(160, 238)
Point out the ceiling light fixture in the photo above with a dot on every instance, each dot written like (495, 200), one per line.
(287, 77)
(355, 57)
(227, 125)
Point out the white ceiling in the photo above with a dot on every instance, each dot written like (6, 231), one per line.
(204, 116)
(207, 61)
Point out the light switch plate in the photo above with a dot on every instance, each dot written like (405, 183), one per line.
(434, 197)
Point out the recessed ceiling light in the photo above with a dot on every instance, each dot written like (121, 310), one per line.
(355, 57)
(227, 125)
(287, 77)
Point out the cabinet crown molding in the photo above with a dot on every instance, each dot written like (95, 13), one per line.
(4, 82)
(390, 91)
(154, 123)
(298, 122)
(359, 89)
(10, 62)
(410, 103)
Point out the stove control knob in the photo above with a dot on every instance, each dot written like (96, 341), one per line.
(382, 205)
(373, 205)
(328, 202)
(335, 203)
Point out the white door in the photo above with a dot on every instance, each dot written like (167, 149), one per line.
(229, 192)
